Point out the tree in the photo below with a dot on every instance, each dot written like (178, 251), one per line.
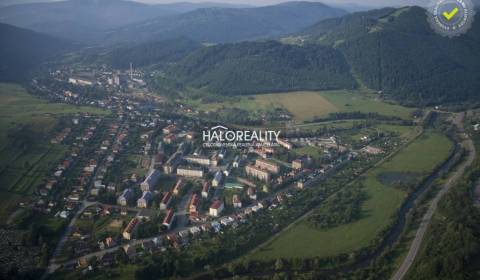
(231, 268)
(120, 256)
(176, 267)
(44, 255)
(279, 264)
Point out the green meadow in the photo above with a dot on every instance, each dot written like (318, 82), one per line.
(26, 155)
(308, 105)
(383, 199)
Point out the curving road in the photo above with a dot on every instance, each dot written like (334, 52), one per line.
(469, 147)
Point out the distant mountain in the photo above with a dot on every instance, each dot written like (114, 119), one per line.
(77, 19)
(185, 7)
(221, 25)
(88, 20)
(259, 67)
(22, 50)
(17, 2)
(393, 51)
(351, 7)
(396, 51)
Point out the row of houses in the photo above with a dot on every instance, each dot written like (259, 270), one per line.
(151, 180)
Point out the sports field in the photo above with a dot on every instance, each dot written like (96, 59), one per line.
(25, 152)
(301, 240)
(308, 105)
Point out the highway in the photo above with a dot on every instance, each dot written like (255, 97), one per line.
(469, 147)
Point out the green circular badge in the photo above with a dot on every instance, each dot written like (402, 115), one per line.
(451, 17)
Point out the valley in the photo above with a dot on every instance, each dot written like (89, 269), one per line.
(365, 167)
(383, 201)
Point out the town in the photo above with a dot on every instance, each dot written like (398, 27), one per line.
(144, 178)
(301, 140)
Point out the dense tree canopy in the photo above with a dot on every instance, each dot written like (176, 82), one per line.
(257, 67)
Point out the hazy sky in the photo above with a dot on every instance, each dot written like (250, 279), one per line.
(266, 2)
(262, 2)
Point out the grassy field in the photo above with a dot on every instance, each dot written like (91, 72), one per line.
(18, 107)
(405, 132)
(314, 152)
(301, 240)
(22, 167)
(103, 226)
(341, 124)
(308, 105)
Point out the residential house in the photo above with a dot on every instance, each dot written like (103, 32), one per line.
(205, 189)
(189, 171)
(127, 232)
(166, 200)
(125, 197)
(177, 189)
(268, 165)
(194, 203)
(257, 172)
(216, 208)
(144, 201)
(217, 179)
(169, 219)
(152, 179)
(252, 193)
(237, 203)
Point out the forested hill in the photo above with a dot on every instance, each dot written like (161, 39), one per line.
(158, 53)
(390, 50)
(87, 20)
(223, 25)
(21, 50)
(396, 51)
(258, 67)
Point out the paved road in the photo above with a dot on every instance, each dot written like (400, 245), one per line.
(53, 266)
(84, 204)
(182, 211)
(468, 145)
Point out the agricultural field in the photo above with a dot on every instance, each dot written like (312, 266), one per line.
(308, 105)
(338, 124)
(384, 197)
(373, 127)
(25, 152)
(17, 107)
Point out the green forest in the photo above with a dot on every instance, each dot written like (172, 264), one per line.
(391, 51)
(452, 242)
(257, 67)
